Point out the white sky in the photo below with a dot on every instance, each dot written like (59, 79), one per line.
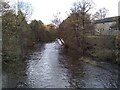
(44, 9)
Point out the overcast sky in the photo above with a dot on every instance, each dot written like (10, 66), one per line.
(44, 9)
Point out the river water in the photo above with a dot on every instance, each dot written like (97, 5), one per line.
(49, 66)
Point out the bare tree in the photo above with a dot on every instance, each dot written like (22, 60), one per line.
(4, 6)
(81, 10)
(83, 6)
(101, 13)
(56, 20)
(24, 7)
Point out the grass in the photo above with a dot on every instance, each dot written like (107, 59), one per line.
(104, 47)
(88, 60)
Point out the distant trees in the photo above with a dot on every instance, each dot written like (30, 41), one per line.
(40, 31)
(101, 13)
(34, 25)
(56, 20)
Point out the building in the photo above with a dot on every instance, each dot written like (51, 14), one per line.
(51, 27)
(107, 26)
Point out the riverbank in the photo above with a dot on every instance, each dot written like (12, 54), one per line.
(101, 63)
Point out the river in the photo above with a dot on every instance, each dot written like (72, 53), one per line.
(50, 67)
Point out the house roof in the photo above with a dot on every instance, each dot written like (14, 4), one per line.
(110, 19)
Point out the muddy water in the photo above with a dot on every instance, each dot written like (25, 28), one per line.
(50, 67)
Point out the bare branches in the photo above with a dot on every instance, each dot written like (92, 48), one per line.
(24, 7)
(4, 6)
(101, 13)
(56, 21)
(82, 7)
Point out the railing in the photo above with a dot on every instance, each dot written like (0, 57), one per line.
(60, 41)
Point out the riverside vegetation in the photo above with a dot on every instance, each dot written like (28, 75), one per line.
(19, 36)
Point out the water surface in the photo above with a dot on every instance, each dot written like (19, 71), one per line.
(49, 66)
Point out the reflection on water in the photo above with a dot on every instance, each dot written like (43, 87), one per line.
(45, 71)
(51, 67)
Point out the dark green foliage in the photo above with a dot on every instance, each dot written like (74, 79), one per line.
(19, 36)
(40, 32)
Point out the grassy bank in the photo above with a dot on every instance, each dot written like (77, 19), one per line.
(104, 48)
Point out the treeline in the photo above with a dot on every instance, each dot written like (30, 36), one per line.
(18, 36)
